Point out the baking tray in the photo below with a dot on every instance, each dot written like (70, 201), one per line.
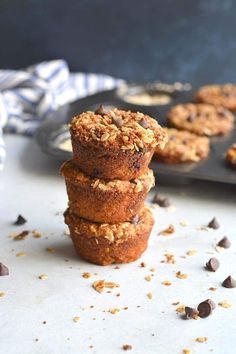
(53, 132)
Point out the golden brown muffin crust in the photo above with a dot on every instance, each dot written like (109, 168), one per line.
(231, 155)
(117, 129)
(219, 95)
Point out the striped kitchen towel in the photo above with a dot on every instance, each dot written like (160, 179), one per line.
(28, 96)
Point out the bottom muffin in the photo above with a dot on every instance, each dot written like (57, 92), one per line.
(105, 244)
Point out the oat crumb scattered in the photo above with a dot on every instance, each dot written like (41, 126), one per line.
(21, 236)
(86, 275)
(114, 311)
(170, 258)
(191, 253)
(225, 304)
(180, 309)
(166, 283)
(148, 278)
(50, 250)
(150, 296)
(201, 339)
(76, 319)
(170, 230)
(2, 294)
(21, 254)
(181, 275)
(186, 351)
(36, 234)
(100, 285)
(143, 264)
(212, 289)
(42, 276)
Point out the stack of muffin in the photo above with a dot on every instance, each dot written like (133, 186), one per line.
(107, 182)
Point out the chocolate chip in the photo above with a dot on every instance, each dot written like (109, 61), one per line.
(172, 138)
(191, 117)
(222, 112)
(117, 121)
(161, 201)
(190, 312)
(3, 270)
(135, 220)
(205, 308)
(229, 282)
(213, 224)
(101, 110)
(224, 242)
(20, 220)
(213, 264)
(143, 123)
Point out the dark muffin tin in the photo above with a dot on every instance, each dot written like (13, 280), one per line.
(54, 130)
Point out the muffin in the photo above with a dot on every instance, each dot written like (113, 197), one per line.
(105, 244)
(183, 146)
(219, 95)
(231, 155)
(201, 119)
(115, 144)
(105, 201)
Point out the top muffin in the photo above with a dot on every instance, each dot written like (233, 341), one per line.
(117, 129)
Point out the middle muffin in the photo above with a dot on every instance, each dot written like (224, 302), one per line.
(105, 201)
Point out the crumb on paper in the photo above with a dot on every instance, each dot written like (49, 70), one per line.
(21, 254)
(175, 303)
(201, 339)
(150, 296)
(86, 275)
(100, 285)
(168, 231)
(42, 276)
(153, 269)
(2, 294)
(225, 304)
(143, 264)
(170, 209)
(186, 351)
(50, 250)
(36, 234)
(180, 309)
(166, 283)
(170, 258)
(76, 319)
(181, 275)
(191, 252)
(114, 311)
(148, 278)
(212, 288)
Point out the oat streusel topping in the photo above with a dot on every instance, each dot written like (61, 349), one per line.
(118, 129)
(71, 172)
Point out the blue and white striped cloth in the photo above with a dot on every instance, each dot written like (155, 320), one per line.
(28, 96)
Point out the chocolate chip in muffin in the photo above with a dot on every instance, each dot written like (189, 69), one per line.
(224, 242)
(117, 121)
(229, 283)
(213, 264)
(191, 117)
(135, 220)
(143, 123)
(214, 224)
(205, 308)
(20, 220)
(163, 202)
(101, 110)
(190, 312)
(3, 270)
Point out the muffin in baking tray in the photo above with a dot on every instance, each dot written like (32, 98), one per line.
(115, 144)
(183, 146)
(231, 155)
(201, 119)
(105, 201)
(219, 95)
(105, 244)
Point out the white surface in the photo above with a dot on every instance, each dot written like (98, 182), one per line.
(30, 185)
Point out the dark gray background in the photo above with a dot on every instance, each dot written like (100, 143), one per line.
(138, 40)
